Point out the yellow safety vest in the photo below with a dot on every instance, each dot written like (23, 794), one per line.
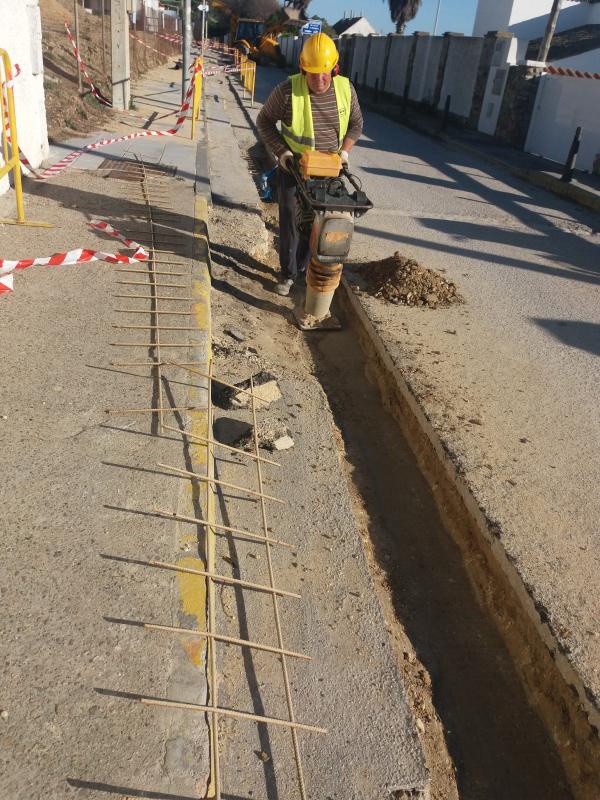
(301, 135)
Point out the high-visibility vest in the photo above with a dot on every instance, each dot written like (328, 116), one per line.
(300, 136)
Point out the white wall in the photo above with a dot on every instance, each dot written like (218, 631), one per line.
(505, 53)
(398, 64)
(361, 28)
(21, 37)
(462, 66)
(527, 18)
(425, 68)
(561, 105)
(492, 15)
(587, 62)
(359, 60)
(376, 61)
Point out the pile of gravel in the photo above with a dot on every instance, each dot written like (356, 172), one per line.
(405, 282)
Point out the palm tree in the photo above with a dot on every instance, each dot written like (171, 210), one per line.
(403, 11)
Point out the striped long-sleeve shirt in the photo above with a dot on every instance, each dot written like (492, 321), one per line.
(326, 122)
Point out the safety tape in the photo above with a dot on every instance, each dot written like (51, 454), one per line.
(8, 84)
(571, 73)
(78, 256)
(96, 92)
(56, 169)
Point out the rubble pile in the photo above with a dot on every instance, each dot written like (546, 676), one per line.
(403, 281)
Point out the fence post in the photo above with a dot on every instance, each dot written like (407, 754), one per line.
(77, 42)
(10, 142)
(567, 175)
(446, 117)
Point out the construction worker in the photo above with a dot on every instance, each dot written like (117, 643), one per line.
(318, 110)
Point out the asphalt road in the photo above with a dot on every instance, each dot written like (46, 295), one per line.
(520, 357)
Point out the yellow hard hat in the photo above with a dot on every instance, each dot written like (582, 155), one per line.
(319, 54)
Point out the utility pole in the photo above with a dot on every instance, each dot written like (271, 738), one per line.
(76, 13)
(187, 42)
(437, 17)
(119, 37)
(550, 28)
(103, 12)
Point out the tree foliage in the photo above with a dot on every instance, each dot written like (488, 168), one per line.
(402, 12)
(255, 9)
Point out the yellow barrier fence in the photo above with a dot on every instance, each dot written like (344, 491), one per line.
(197, 103)
(10, 141)
(248, 75)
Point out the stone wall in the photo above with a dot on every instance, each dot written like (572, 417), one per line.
(517, 105)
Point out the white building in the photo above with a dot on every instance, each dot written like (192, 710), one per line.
(527, 18)
(351, 26)
(21, 37)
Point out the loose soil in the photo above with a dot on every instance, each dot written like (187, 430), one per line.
(405, 282)
(66, 111)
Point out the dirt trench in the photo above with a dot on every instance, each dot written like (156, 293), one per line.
(480, 736)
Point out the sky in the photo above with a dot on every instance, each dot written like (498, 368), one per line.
(455, 15)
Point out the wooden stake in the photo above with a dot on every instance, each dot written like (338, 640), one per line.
(229, 447)
(227, 712)
(160, 285)
(117, 411)
(217, 380)
(229, 639)
(148, 345)
(157, 297)
(244, 489)
(240, 531)
(258, 587)
(146, 311)
(153, 327)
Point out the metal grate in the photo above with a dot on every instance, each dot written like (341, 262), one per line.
(169, 303)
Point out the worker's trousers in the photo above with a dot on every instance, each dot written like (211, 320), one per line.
(294, 249)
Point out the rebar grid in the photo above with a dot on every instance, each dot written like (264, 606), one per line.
(158, 259)
(286, 680)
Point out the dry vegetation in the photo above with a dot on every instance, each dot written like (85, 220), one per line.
(68, 113)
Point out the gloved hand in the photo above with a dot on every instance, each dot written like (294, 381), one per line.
(345, 156)
(286, 159)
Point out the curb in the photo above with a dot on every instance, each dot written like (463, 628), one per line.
(189, 680)
(552, 685)
(541, 179)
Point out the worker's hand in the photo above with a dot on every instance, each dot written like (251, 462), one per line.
(286, 160)
(345, 156)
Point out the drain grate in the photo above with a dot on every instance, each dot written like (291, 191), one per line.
(132, 169)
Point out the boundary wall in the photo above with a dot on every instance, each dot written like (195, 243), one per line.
(488, 90)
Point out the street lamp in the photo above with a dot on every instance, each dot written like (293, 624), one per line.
(437, 16)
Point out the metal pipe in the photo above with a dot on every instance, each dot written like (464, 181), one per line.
(437, 17)
(567, 175)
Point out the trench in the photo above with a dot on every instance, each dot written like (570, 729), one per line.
(498, 745)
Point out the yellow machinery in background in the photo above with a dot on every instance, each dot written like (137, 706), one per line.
(257, 38)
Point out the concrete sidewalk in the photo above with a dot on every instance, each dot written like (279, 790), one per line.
(81, 483)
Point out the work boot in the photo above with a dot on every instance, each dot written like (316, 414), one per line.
(283, 288)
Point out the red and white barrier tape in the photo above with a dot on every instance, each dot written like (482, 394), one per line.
(571, 73)
(10, 79)
(147, 46)
(55, 169)
(78, 256)
(96, 92)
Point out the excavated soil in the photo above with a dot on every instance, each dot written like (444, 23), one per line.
(405, 282)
